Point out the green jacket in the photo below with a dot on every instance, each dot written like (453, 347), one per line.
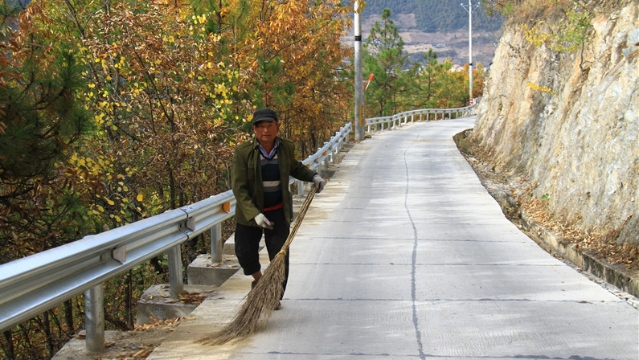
(246, 179)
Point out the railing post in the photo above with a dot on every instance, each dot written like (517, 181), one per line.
(94, 319)
(176, 283)
(217, 245)
(319, 166)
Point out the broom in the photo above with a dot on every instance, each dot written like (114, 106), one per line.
(264, 297)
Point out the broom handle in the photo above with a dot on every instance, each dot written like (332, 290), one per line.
(298, 221)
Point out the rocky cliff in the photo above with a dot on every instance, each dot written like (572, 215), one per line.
(569, 120)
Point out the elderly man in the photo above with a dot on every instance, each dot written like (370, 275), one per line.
(259, 179)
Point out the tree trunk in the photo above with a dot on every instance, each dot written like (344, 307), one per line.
(129, 299)
(8, 349)
(47, 333)
(68, 317)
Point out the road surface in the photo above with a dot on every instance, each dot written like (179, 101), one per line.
(405, 255)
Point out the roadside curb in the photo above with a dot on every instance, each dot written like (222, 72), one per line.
(625, 280)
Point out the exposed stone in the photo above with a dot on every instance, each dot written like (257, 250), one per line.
(568, 122)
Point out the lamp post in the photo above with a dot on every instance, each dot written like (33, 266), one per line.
(470, 49)
(359, 88)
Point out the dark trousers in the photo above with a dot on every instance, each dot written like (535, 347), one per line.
(247, 243)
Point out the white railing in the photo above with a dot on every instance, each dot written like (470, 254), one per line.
(393, 121)
(34, 284)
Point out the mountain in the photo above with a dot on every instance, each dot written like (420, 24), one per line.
(440, 25)
(436, 15)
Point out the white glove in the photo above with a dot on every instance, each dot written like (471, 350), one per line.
(263, 222)
(319, 183)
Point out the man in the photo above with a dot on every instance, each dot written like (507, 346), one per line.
(259, 179)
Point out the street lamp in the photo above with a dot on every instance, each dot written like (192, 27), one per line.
(470, 48)
(359, 89)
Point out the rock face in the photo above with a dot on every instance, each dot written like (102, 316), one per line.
(569, 121)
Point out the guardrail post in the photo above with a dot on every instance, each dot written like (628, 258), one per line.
(94, 319)
(176, 283)
(319, 165)
(217, 245)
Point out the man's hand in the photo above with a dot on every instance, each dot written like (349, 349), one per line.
(319, 183)
(263, 222)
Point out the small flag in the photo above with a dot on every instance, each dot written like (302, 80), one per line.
(370, 78)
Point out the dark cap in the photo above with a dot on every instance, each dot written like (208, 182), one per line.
(264, 115)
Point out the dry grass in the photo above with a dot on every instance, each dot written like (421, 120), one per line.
(601, 245)
(522, 11)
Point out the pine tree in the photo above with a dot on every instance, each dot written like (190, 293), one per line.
(384, 56)
(40, 118)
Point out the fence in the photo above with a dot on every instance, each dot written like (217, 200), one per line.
(389, 122)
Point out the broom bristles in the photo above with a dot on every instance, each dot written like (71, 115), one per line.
(263, 298)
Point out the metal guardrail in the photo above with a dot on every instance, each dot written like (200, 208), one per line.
(34, 284)
(390, 122)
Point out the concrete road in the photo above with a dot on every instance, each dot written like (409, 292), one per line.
(406, 256)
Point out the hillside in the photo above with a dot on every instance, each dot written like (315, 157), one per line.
(438, 25)
(563, 117)
(435, 15)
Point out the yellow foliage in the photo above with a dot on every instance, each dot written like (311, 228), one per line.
(540, 88)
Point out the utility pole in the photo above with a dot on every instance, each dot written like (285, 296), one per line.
(470, 49)
(359, 84)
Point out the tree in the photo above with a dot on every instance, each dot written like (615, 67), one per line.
(42, 118)
(290, 59)
(169, 87)
(384, 56)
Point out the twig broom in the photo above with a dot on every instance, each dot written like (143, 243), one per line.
(264, 297)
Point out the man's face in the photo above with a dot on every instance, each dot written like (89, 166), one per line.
(266, 131)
